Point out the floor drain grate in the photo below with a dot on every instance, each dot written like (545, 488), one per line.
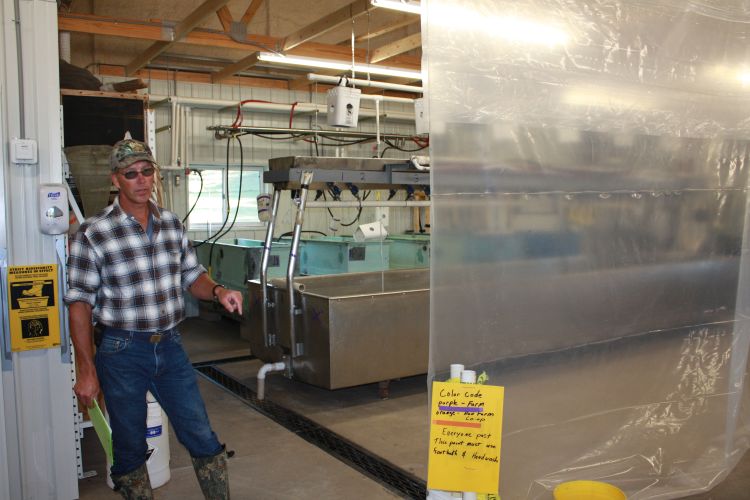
(214, 362)
(377, 468)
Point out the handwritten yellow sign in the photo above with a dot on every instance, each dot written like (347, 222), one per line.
(34, 313)
(465, 432)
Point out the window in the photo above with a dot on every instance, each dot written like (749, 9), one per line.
(210, 211)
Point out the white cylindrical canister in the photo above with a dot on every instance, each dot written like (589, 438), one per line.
(374, 231)
(157, 440)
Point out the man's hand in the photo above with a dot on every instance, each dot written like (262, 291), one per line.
(230, 299)
(87, 388)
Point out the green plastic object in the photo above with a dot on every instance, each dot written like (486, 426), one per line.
(341, 254)
(103, 431)
(409, 251)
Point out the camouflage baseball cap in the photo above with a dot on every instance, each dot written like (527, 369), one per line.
(128, 151)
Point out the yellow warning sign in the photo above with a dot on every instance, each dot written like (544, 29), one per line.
(34, 316)
(465, 434)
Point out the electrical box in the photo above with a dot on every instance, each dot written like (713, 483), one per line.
(23, 151)
(421, 116)
(343, 106)
(53, 209)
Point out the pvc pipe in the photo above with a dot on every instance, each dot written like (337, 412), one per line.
(206, 103)
(469, 377)
(183, 133)
(377, 123)
(373, 203)
(173, 152)
(189, 122)
(268, 367)
(313, 77)
(385, 98)
(303, 107)
(421, 162)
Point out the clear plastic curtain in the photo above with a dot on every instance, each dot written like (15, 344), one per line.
(589, 233)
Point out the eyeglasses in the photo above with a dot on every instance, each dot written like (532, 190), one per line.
(132, 174)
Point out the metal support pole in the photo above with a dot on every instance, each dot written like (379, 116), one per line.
(305, 180)
(6, 361)
(60, 246)
(267, 304)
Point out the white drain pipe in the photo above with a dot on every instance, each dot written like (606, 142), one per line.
(268, 367)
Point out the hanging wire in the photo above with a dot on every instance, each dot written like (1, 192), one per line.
(354, 75)
(226, 219)
(200, 191)
(239, 192)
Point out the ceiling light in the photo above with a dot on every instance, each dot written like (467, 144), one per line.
(402, 5)
(313, 62)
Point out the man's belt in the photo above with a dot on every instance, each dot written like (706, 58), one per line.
(151, 337)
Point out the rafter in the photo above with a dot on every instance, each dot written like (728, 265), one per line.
(225, 18)
(250, 12)
(155, 31)
(241, 65)
(385, 30)
(183, 28)
(327, 23)
(395, 48)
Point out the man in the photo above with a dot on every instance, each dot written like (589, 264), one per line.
(127, 269)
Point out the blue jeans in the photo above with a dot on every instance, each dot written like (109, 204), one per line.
(128, 365)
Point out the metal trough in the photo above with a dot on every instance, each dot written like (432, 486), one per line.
(351, 329)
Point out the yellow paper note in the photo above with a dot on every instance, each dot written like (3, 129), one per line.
(465, 436)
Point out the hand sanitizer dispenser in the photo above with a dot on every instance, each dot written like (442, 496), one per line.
(53, 209)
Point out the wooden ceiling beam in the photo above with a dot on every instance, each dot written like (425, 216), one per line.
(241, 65)
(187, 76)
(250, 12)
(183, 28)
(327, 23)
(385, 30)
(128, 28)
(225, 17)
(395, 48)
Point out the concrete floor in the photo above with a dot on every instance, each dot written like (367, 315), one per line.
(271, 462)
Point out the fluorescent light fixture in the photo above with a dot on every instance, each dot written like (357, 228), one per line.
(313, 62)
(402, 5)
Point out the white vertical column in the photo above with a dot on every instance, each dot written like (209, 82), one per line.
(36, 395)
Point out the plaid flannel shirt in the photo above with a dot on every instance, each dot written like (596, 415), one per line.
(132, 283)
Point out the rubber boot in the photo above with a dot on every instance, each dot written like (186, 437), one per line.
(134, 485)
(213, 475)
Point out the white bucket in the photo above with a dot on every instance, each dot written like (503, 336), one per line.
(157, 440)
